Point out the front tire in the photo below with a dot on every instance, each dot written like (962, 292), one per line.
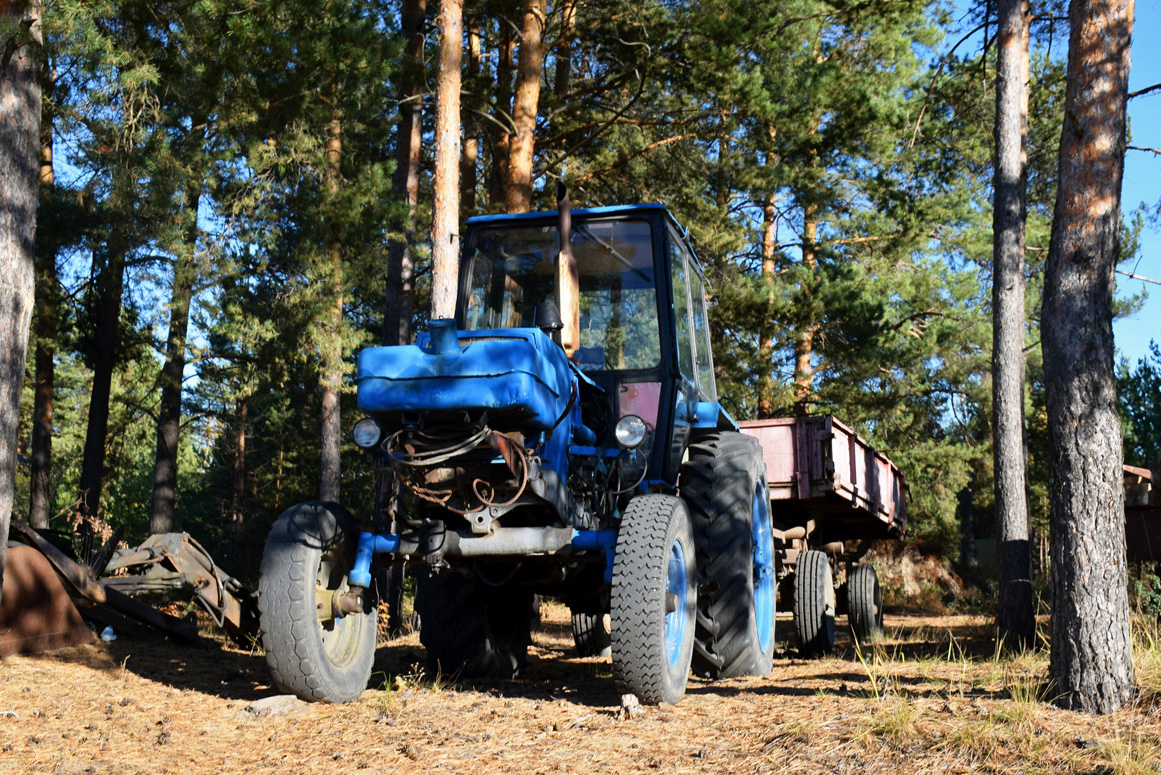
(724, 485)
(654, 599)
(312, 653)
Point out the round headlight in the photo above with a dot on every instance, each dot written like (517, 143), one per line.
(630, 431)
(367, 433)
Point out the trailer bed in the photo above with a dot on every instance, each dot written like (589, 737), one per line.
(1142, 515)
(826, 478)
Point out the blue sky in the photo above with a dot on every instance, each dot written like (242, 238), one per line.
(1143, 183)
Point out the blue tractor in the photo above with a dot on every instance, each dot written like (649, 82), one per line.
(561, 436)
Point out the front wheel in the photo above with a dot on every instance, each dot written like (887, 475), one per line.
(654, 599)
(313, 649)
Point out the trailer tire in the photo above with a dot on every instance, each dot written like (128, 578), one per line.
(654, 599)
(724, 486)
(310, 551)
(471, 629)
(590, 634)
(814, 604)
(864, 604)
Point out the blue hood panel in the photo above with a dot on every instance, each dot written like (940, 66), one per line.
(519, 376)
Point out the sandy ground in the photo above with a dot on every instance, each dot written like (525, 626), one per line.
(931, 698)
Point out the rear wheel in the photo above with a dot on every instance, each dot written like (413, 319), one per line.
(864, 603)
(471, 629)
(814, 604)
(654, 599)
(724, 485)
(590, 633)
(313, 649)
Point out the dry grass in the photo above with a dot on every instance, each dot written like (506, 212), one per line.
(931, 697)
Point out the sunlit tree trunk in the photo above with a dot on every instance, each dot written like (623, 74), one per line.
(769, 271)
(331, 367)
(501, 122)
(524, 107)
(469, 177)
(1015, 615)
(804, 342)
(445, 236)
(1091, 664)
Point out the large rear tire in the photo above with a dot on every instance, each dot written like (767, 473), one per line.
(471, 629)
(814, 604)
(311, 652)
(864, 604)
(654, 599)
(590, 633)
(724, 486)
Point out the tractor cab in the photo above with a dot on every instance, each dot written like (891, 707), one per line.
(642, 331)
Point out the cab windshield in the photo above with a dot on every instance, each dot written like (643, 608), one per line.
(512, 271)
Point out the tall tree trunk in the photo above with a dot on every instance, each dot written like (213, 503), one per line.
(804, 342)
(110, 278)
(237, 504)
(469, 177)
(1015, 615)
(162, 514)
(19, 149)
(408, 141)
(45, 331)
(563, 72)
(445, 230)
(769, 271)
(331, 367)
(527, 101)
(502, 114)
(1092, 660)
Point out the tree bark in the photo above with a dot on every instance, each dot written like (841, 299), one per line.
(237, 504)
(502, 114)
(469, 178)
(162, 514)
(527, 100)
(445, 236)
(563, 73)
(1015, 615)
(331, 376)
(408, 142)
(1091, 663)
(45, 331)
(804, 343)
(769, 270)
(19, 150)
(110, 278)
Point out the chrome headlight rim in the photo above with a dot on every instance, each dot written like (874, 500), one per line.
(631, 431)
(367, 433)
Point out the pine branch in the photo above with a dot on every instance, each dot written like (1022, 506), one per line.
(1154, 151)
(1146, 90)
(1138, 277)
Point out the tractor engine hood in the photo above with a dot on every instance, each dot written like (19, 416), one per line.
(519, 377)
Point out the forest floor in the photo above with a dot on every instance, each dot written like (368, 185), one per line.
(930, 697)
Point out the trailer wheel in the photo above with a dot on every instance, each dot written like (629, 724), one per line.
(311, 652)
(654, 599)
(590, 633)
(471, 629)
(724, 485)
(814, 604)
(864, 603)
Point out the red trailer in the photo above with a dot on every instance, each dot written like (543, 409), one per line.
(1143, 513)
(831, 494)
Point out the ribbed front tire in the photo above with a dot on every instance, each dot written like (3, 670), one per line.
(654, 599)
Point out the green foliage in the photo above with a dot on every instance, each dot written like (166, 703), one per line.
(1139, 392)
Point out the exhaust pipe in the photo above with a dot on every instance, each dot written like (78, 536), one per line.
(567, 289)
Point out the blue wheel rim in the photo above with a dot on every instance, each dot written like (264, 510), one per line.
(763, 546)
(676, 621)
